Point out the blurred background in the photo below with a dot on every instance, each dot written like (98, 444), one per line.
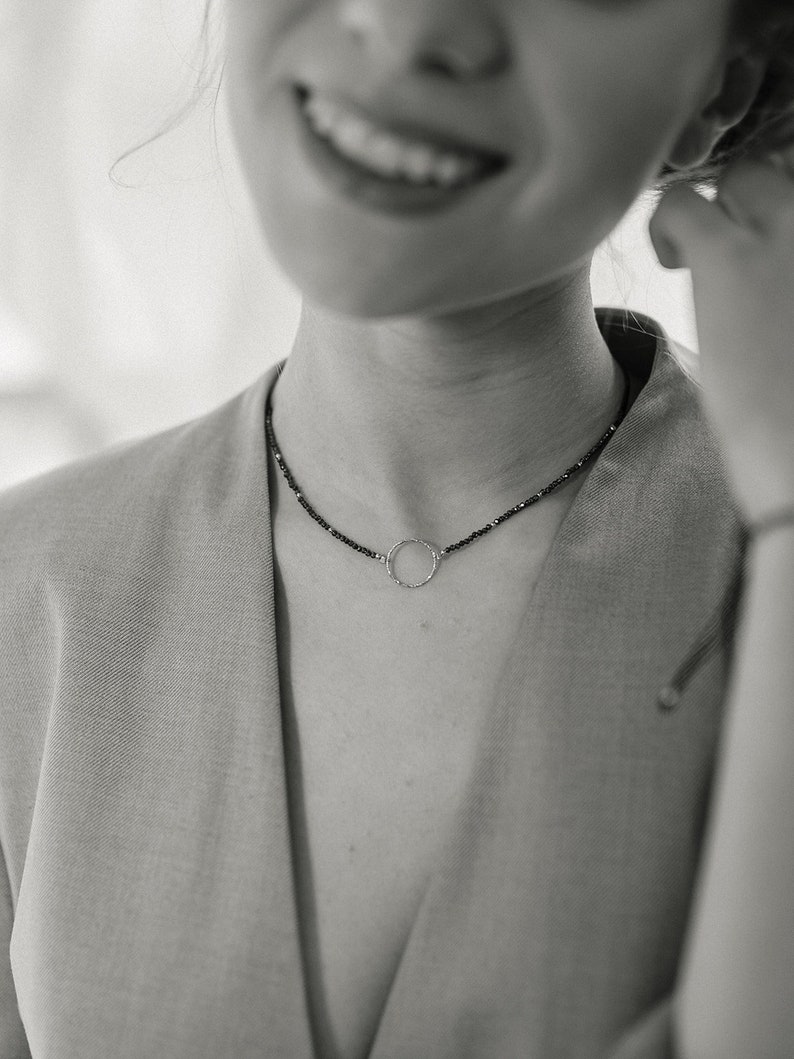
(128, 306)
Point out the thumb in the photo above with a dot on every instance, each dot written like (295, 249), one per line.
(684, 226)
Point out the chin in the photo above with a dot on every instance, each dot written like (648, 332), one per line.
(357, 282)
(365, 293)
(372, 271)
(348, 293)
(357, 289)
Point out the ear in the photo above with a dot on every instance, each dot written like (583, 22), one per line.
(742, 75)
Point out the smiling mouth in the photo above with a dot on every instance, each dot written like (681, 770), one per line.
(392, 157)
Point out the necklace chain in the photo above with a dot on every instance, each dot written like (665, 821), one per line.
(438, 554)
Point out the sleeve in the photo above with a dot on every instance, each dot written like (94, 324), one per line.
(650, 1038)
(13, 1042)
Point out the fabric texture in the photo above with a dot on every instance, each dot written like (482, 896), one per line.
(147, 905)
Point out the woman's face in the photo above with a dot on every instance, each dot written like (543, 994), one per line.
(490, 144)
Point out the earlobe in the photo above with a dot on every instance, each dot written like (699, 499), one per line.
(742, 78)
(693, 146)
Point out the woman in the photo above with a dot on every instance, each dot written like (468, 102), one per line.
(372, 770)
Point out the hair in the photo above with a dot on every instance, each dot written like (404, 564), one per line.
(765, 26)
(209, 76)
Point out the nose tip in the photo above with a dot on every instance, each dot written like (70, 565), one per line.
(457, 39)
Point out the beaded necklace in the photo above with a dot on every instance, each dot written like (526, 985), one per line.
(437, 554)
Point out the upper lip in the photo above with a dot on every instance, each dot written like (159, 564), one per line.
(413, 130)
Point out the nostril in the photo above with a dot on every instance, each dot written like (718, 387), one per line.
(436, 64)
(446, 44)
(459, 63)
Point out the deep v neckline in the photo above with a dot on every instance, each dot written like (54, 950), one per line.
(460, 849)
(165, 917)
(467, 841)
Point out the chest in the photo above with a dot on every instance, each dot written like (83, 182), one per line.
(385, 692)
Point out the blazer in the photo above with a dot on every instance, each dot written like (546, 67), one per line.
(147, 905)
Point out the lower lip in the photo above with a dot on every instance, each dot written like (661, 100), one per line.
(376, 193)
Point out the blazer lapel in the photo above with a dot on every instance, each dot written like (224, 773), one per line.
(156, 914)
(156, 911)
(558, 910)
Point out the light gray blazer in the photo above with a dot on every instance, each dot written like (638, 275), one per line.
(147, 906)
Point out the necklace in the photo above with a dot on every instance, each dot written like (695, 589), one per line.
(437, 554)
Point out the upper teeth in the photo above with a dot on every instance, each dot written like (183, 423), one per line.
(385, 152)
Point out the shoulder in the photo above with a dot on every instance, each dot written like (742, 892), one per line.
(695, 451)
(670, 450)
(86, 548)
(82, 540)
(76, 512)
(73, 503)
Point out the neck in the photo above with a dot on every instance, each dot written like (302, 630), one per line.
(435, 426)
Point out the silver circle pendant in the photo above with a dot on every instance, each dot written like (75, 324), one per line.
(393, 552)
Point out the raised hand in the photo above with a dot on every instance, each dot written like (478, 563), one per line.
(740, 250)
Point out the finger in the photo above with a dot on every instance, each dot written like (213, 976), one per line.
(783, 161)
(756, 194)
(685, 225)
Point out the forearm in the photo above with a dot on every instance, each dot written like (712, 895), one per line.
(736, 991)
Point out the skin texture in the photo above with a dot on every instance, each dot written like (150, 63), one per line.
(740, 249)
(588, 100)
(460, 349)
(735, 981)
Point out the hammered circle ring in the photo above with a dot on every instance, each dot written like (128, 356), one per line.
(393, 552)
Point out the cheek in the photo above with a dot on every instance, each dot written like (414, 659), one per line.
(255, 31)
(609, 96)
(600, 98)
(617, 88)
